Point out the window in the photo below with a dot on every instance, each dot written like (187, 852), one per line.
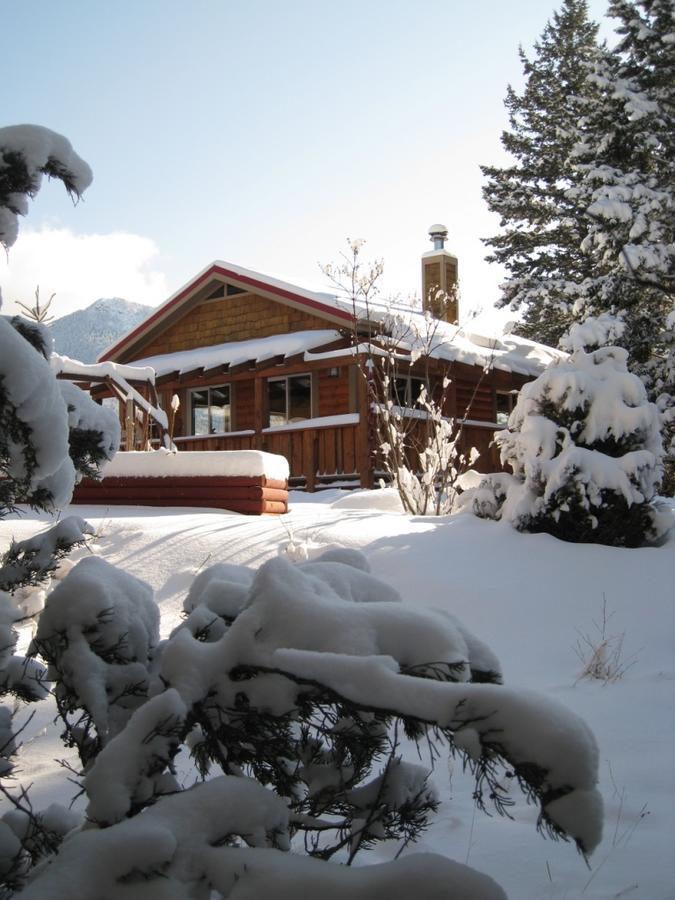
(405, 390)
(211, 410)
(504, 403)
(289, 399)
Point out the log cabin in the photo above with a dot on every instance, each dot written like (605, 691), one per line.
(259, 363)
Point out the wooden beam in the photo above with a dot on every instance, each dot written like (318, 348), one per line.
(193, 373)
(338, 344)
(248, 366)
(168, 378)
(296, 359)
(277, 360)
(116, 390)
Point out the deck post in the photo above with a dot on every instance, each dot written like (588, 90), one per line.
(258, 411)
(310, 461)
(129, 424)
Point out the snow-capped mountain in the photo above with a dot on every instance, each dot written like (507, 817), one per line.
(86, 333)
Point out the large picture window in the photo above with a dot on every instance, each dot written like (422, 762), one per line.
(211, 410)
(289, 399)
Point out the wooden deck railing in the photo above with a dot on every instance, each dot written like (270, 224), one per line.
(238, 440)
(314, 453)
(321, 453)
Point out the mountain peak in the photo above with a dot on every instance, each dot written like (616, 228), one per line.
(85, 333)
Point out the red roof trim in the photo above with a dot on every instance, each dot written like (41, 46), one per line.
(228, 273)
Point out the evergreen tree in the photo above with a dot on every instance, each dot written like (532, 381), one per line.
(540, 245)
(584, 445)
(625, 195)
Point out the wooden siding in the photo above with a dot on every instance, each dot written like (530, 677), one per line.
(482, 437)
(475, 401)
(244, 405)
(238, 318)
(333, 391)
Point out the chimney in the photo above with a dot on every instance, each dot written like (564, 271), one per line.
(439, 277)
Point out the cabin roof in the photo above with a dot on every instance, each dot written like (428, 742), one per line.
(325, 305)
(235, 353)
(509, 353)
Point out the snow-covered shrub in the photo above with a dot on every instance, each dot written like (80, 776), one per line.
(24, 678)
(228, 837)
(93, 431)
(34, 461)
(97, 634)
(585, 448)
(292, 687)
(27, 153)
(51, 432)
(35, 465)
(26, 837)
(33, 560)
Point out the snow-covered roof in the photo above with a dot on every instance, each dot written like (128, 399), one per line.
(506, 352)
(322, 304)
(454, 343)
(235, 353)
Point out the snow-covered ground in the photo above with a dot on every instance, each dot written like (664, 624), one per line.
(531, 597)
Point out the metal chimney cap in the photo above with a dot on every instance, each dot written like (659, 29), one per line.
(438, 234)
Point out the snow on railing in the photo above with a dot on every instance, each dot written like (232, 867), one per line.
(117, 374)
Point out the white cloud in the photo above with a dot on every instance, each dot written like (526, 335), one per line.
(80, 268)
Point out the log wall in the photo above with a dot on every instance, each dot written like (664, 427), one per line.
(251, 496)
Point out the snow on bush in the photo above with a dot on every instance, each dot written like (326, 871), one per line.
(594, 331)
(34, 559)
(34, 460)
(228, 836)
(94, 431)
(585, 448)
(302, 678)
(34, 449)
(25, 565)
(97, 633)
(27, 152)
(24, 678)
(51, 432)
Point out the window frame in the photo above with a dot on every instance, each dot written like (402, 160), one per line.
(286, 378)
(408, 401)
(512, 400)
(208, 389)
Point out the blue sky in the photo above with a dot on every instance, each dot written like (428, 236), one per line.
(263, 133)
